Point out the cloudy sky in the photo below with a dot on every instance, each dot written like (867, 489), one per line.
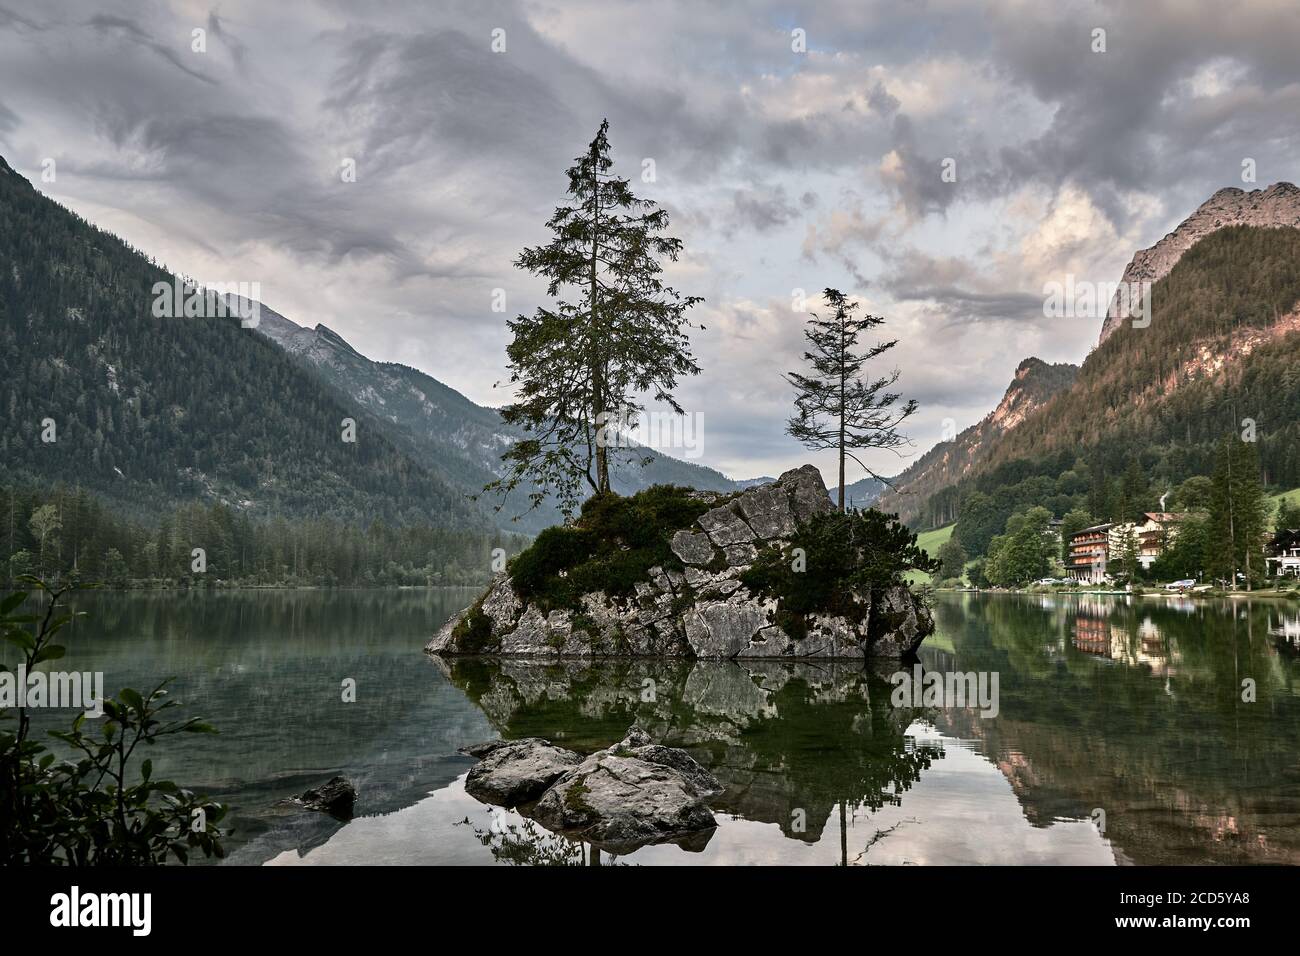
(782, 169)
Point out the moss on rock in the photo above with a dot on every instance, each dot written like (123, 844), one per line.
(473, 631)
(610, 548)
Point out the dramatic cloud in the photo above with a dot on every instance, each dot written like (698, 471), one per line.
(784, 171)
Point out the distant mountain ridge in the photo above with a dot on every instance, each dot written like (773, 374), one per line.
(1034, 384)
(1220, 358)
(449, 433)
(150, 412)
(863, 493)
(1073, 407)
(1222, 348)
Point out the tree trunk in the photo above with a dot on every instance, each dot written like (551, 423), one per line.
(842, 508)
(598, 365)
(842, 413)
(844, 837)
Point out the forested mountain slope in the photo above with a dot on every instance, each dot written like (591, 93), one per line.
(153, 411)
(918, 492)
(1220, 357)
(1220, 349)
(443, 429)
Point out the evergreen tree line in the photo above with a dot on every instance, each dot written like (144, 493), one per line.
(68, 531)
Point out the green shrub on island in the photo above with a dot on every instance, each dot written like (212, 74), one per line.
(846, 557)
(474, 630)
(610, 547)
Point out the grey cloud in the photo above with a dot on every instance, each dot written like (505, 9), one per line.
(130, 30)
(956, 288)
(880, 100)
(962, 305)
(445, 96)
(1122, 120)
(217, 27)
(17, 22)
(763, 210)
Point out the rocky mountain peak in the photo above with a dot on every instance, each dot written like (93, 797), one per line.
(1029, 365)
(1034, 383)
(1277, 206)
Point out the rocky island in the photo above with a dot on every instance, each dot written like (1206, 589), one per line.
(771, 572)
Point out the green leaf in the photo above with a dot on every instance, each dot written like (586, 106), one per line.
(51, 652)
(20, 638)
(12, 601)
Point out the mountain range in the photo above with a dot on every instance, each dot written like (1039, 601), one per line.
(149, 412)
(1219, 357)
(1276, 206)
(917, 491)
(435, 423)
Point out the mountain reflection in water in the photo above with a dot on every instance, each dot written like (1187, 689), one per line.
(1122, 712)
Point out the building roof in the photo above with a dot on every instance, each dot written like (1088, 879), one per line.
(1164, 517)
(1095, 529)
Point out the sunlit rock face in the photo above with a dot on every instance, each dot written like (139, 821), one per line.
(1276, 206)
(702, 608)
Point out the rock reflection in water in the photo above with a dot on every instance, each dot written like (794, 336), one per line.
(790, 742)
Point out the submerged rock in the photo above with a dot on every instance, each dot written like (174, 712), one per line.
(702, 608)
(629, 795)
(336, 797)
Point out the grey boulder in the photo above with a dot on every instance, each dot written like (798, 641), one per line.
(336, 797)
(703, 609)
(517, 771)
(627, 796)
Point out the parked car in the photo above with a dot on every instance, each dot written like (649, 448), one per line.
(1182, 585)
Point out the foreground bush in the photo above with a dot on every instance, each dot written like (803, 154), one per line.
(97, 808)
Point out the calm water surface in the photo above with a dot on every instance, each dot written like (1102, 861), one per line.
(1121, 735)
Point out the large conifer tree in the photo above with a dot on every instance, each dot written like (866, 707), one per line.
(1238, 513)
(834, 407)
(581, 365)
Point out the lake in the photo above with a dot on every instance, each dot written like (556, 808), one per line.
(1121, 733)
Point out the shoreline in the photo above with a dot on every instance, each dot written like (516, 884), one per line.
(221, 589)
(1145, 593)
